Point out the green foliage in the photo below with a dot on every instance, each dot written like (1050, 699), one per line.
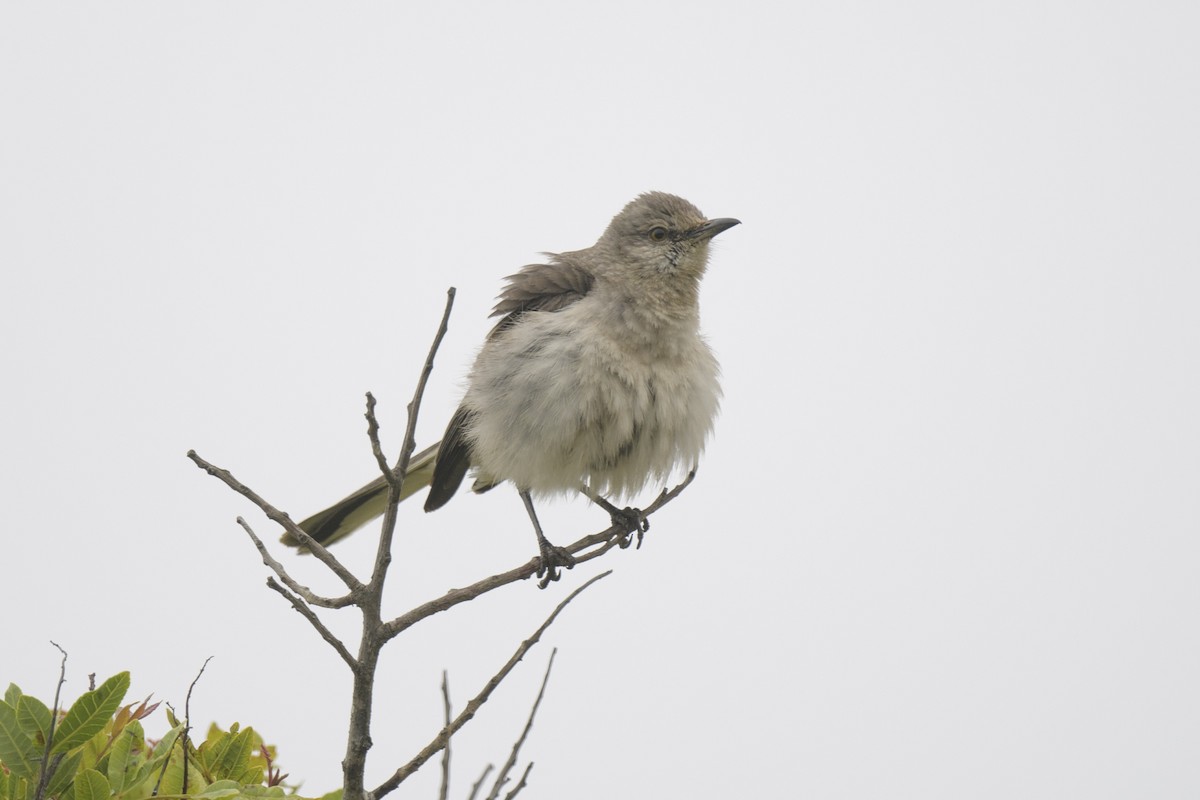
(90, 713)
(98, 750)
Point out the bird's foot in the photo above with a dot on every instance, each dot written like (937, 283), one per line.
(550, 559)
(630, 521)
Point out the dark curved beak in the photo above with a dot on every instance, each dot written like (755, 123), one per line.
(712, 228)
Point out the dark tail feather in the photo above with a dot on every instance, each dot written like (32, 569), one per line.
(348, 515)
(352, 512)
(452, 462)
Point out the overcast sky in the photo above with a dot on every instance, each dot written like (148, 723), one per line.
(945, 541)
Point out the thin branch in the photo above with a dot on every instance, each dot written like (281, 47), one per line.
(47, 769)
(445, 790)
(187, 722)
(383, 553)
(370, 600)
(502, 778)
(444, 735)
(521, 783)
(275, 515)
(414, 405)
(315, 621)
(606, 539)
(187, 701)
(278, 568)
(376, 445)
(478, 783)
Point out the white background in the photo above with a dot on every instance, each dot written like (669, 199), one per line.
(945, 542)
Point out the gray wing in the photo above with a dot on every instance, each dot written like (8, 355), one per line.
(541, 287)
(537, 287)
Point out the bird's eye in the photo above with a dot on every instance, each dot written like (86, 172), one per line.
(658, 234)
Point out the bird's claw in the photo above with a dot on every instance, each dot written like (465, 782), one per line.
(630, 520)
(549, 560)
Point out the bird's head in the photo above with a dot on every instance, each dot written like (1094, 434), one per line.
(659, 234)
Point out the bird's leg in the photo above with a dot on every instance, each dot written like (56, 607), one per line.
(628, 519)
(552, 557)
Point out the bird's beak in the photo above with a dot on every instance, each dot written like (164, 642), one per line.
(712, 228)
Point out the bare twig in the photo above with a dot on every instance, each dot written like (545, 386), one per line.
(278, 568)
(472, 707)
(502, 778)
(187, 722)
(315, 621)
(383, 553)
(47, 769)
(370, 599)
(483, 776)
(277, 516)
(376, 445)
(414, 405)
(445, 790)
(521, 783)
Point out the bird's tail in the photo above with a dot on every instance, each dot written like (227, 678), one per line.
(352, 512)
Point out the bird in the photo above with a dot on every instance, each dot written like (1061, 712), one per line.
(596, 379)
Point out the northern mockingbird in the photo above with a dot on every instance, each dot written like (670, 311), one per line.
(596, 379)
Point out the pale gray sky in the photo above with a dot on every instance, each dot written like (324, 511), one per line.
(945, 542)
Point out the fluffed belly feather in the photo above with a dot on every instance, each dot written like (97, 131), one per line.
(570, 409)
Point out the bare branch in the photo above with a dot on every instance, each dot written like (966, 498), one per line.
(475, 786)
(606, 539)
(376, 445)
(445, 790)
(275, 515)
(521, 783)
(187, 701)
(370, 600)
(276, 567)
(315, 621)
(383, 553)
(444, 735)
(47, 768)
(502, 778)
(414, 405)
(187, 722)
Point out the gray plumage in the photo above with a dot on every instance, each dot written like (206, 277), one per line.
(596, 374)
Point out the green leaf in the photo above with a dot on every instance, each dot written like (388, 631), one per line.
(64, 773)
(153, 764)
(127, 755)
(18, 751)
(118, 760)
(256, 791)
(166, 743)
(91, 785)
(12, 787)
(34, 716)
(90, 713)
(219, 789)
(139, 735)
(94, 750)
(232, 755)
(12, 694)
(172, 782)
